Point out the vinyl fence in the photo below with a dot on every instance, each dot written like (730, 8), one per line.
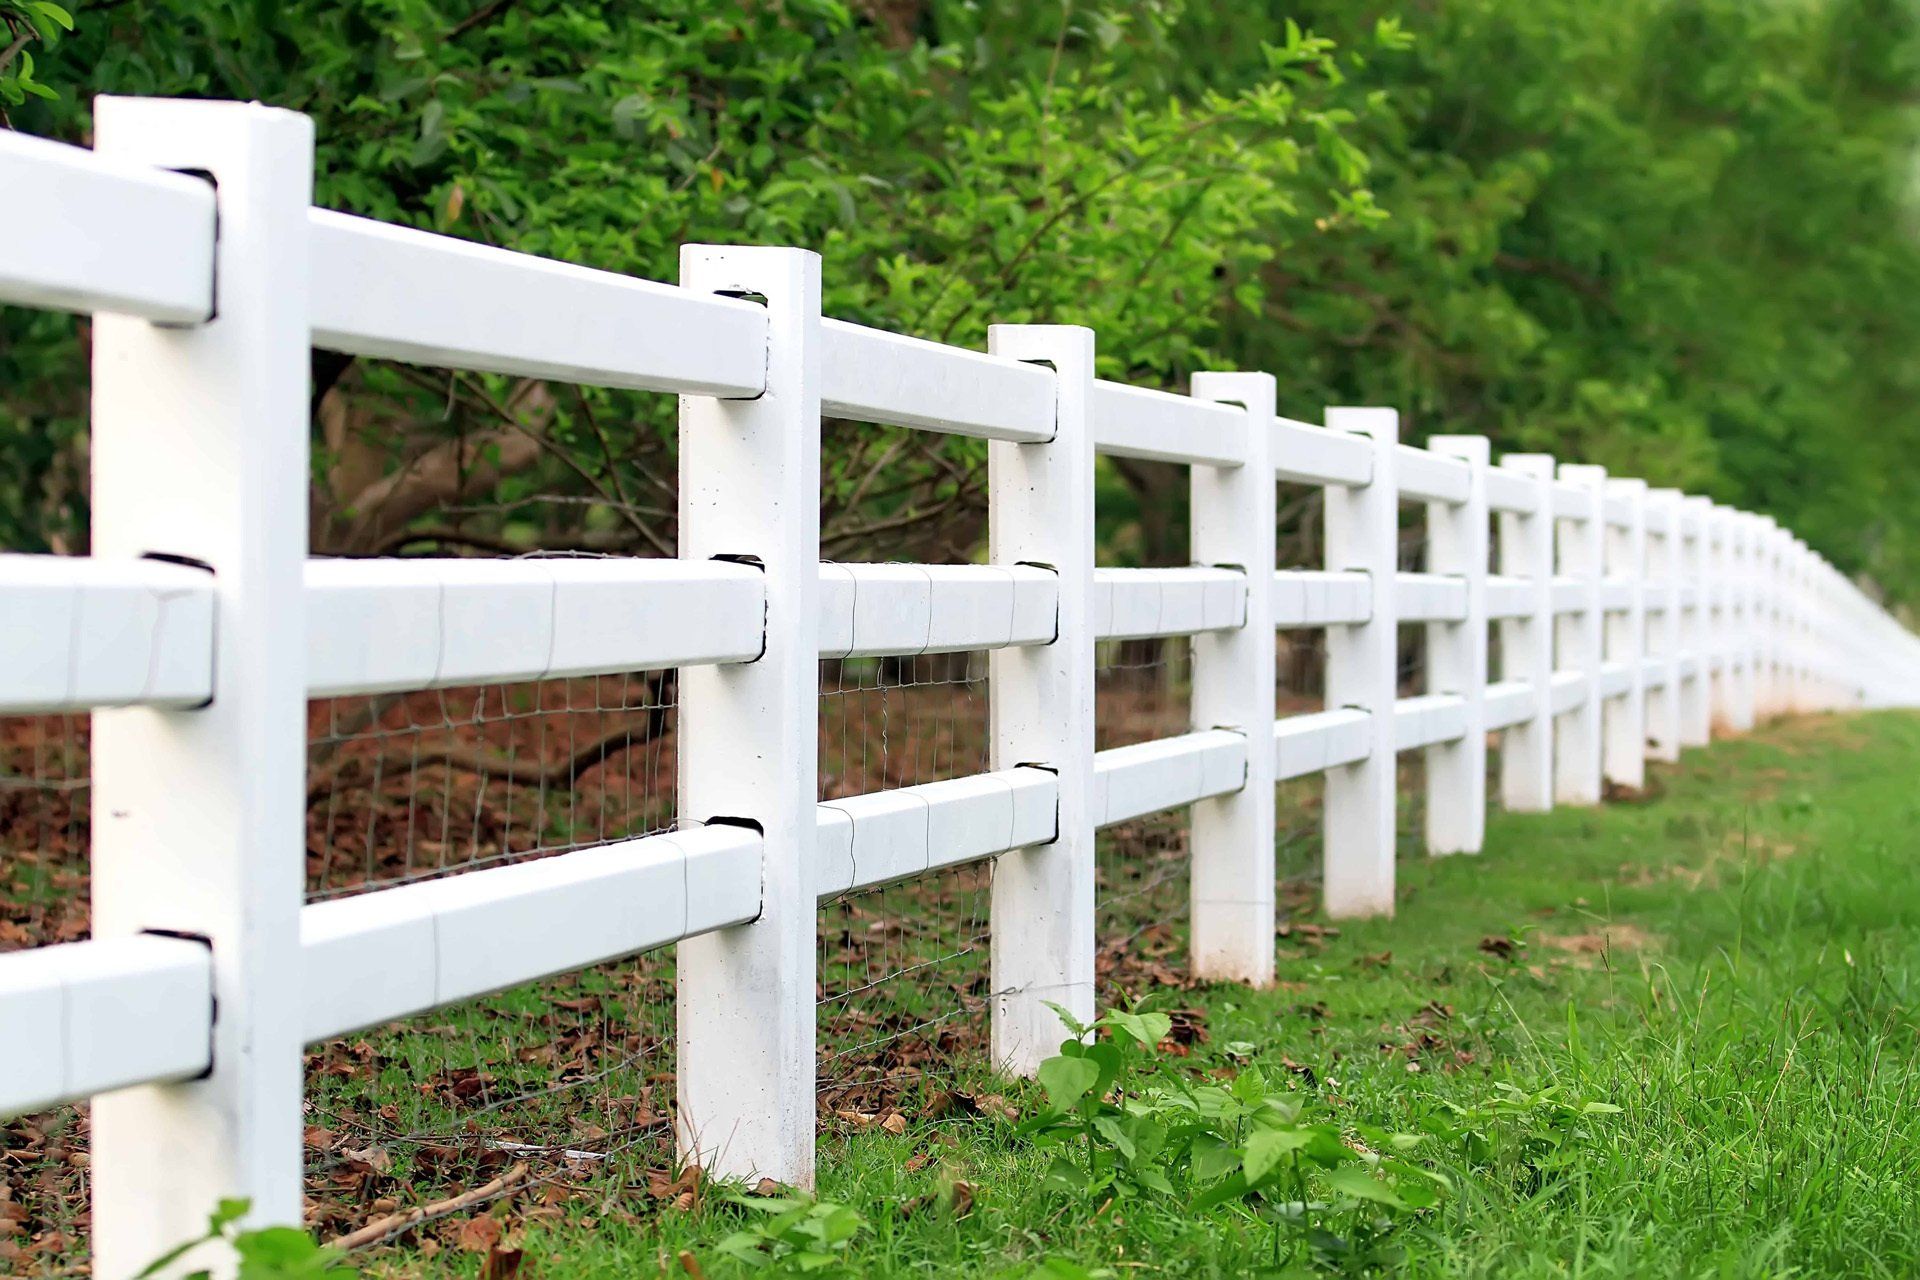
(1630, 622)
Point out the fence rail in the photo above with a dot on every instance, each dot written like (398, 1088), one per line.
(1630, 622)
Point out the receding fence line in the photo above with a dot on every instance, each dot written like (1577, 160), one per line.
(1630, 622)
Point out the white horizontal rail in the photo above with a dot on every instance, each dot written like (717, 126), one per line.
(79, 632)
(1568, 691)
(401, 951)
(1509, 702)
(876, 839)
(868, 610)
(1511, 492)
(1430, 597)
(1149, 777)
(1429, 477)
(1573, 502)
(1616, 678)
(1307, 598)
(1158, 426)
(86, 232)
(1139, 604)
(82, 1018)
(1569, 594)
(1306, 454)
(400, 294)
(1509, 597)
(1320, 740)
(1428, 719)
(871, 375)
(382, 625)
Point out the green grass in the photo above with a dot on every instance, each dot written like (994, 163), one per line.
(1731, 961)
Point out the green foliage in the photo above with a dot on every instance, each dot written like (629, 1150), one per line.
(264, 1253)
(1277, 1156)
(1675, 237)
(24, 23)
(794, 1236)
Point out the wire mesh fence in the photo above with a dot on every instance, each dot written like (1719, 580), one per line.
(903, 968)
(564, 1088)
(44, 793)
(405, 787)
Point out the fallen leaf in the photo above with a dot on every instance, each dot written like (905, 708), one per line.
(477, 1235)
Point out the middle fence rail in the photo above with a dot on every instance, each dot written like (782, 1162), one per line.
(1630, 622)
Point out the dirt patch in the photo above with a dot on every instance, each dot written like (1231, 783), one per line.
(1590, 949)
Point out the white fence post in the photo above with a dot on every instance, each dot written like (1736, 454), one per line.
(200, 451)
(1664, 623)
(1696, 706)
(748, 734)
(1720, 631)
(1234, 523)
(1526, 641)
(1623, 749)
(1363, 534)
(1576, 735)
(1745, 614)
(1767, 625)
(1041, 701)
(1457, 656)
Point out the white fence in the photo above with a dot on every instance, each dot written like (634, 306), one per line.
(1631, 621)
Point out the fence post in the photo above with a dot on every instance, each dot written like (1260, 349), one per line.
(1526, 641)
(1696, 708)
(1234, 523)
(200, 451)
(1743, 579)
(1767, 625)
(1041, 705)
(1363, 535)
(1720, 633)
(1790, 688)
(1664, 570)
(1624, 718)
(1576, 735)
(1457, 656)
(748, 734)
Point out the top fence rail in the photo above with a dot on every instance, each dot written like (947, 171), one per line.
(1631, 622)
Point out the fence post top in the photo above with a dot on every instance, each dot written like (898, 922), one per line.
(1628, 486)
(1258, 393)
(1382, 424)
(1585, 474)
(111, 109)
(1537, 465)
(1476, 450)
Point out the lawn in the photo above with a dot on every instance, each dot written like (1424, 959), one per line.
(1670, 1036)
(1729, 960)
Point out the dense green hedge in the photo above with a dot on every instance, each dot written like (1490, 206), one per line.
(1676, 237)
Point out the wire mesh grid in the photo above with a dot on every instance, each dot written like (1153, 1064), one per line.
(1142, 693)
(44, 794)
(405, 787)
(556, 1089)
(903, 968)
